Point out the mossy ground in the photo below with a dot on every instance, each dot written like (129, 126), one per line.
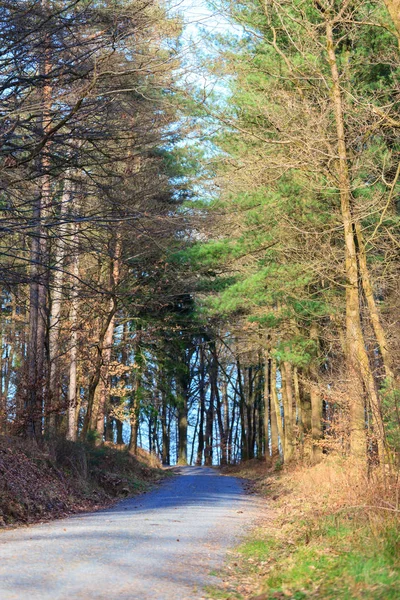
(315, 547)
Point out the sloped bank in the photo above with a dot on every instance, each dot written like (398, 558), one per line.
(62, 478)
(332, 532)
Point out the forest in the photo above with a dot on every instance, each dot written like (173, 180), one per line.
(200, 241)
(214, 312)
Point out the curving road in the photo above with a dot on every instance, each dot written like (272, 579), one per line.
(159, 546)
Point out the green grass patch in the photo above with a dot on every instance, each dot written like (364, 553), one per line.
(331, 559)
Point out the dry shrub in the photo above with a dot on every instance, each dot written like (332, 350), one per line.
(150, 459)
(340, 486)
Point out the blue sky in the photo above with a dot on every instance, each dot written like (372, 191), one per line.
(200, 22)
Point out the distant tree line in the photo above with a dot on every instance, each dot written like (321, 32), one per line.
(259, 322)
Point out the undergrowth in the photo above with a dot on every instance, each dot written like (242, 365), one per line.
(61, 477)
(332, 532)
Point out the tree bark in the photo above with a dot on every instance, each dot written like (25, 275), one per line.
(202, 405)
(287, 401)
(276, 409)
(73, 354)
(267, 401)
(56, 295)
(393, 7)
(355, 350)
(316, 403)
(136, 392)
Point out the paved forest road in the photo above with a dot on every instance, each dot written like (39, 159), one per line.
(159, 546)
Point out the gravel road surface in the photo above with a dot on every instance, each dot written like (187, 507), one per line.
(160, 546)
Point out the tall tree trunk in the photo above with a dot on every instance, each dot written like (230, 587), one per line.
(136, 392)
(208, 449)
(287, 401)
(105, 382)
(184, 384)
(225, 401)
(182, 430)
(242, 413)
(299, 409)
(56, 293)
(164, 426)
(37, 318)
(202, 406)
(39, 267)
(276, 411)
(372, 307)
(267, 400)
(316, 402)
(355, 350)
(72, 430)
(216, 394)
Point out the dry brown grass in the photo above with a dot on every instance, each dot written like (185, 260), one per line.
(334, 484)
(339, 485)
(332, 531)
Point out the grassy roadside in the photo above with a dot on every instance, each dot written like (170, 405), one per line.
(61, 478)
(325, 537)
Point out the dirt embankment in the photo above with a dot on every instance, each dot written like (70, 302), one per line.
(62, 478)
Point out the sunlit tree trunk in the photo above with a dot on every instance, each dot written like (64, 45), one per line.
(73, 352)
(267, 402)
(105, 383)
(56, 295)
(372, 307)
(287, 402)
(355, 351)
(393, 7)
(276, 411)
(316, 402)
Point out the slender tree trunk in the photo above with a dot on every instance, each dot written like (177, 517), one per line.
(72, 430)
(202, 407)
(242, 407)
(287, 401)
(165, 452)
(316, 403)
(208, 450)
(136, 391)
(276, 409)
(225, 400)
(355, 350)
(299, 409)
(182, 429)
(39, 267)
(267, 399)
(90, 421)
(105, 382)
(216, 394)
(372, 307)
(56, 294)
(232, 427)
